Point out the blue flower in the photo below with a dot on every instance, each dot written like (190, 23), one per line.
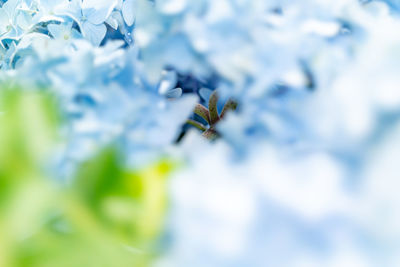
(63, 31)
(90, 15)
(8, 20)
(47, 11)
(128, 10)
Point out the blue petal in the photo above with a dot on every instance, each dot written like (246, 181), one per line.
(94, 33)
(128, 11)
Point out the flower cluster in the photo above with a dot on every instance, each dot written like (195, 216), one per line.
(298, 101)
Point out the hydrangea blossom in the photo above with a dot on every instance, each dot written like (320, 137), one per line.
(302, 172)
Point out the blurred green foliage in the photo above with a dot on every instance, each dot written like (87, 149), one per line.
(107, 216)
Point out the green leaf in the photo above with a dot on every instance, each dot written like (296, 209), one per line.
(202, 111)
(131, 202)
(196, 124)
(229, 105)
(28, 129)
(107, 215)
(212, 107)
